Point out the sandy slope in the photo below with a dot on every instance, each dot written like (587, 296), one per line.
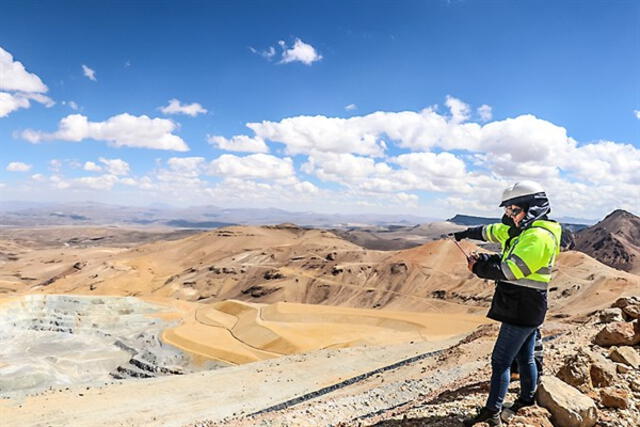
(239, 332)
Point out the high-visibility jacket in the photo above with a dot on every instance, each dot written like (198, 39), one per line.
(523, 270)
(528, 258)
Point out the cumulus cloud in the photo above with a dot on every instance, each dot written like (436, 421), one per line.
(89, 73)
(485, 112)
(10, 103)
(351, 107)
(18, 87)
(636, 113)
(241, 143)
(252, 166)
(188, 166)
(115, 167)
(123, 130)
(14, 77)
(92, 167)
(299, 52)
(18, 167)
(176, 107)
(459, 110)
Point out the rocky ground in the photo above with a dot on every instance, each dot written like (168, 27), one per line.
(592, 377)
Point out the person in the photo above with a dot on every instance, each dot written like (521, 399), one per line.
(530, 243)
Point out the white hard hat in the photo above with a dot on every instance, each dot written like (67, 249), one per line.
(522, 192)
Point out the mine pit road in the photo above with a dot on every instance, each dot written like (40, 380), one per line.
(217, 395)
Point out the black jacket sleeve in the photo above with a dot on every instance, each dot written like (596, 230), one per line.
(470, 233)
(488, 267)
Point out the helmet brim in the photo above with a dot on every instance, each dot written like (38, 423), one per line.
(526, 199)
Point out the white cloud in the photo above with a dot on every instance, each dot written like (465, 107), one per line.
(102, 182)
(351, 107)
(14, 77)
(123, 130)
(459, 110)
(268, 53)
(305, 134)
(18, 87)
(241, 143)
(343, 167)
(299, 52)
(115, 167)
(72, 104)
(92, 167)
(485, 112)
(18, 167)
(262, 166)
(175, 107)
(38, 177)
(89, 73)
(636, 113)
(187, 166)
(10, 103)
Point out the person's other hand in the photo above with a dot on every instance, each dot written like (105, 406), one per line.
(471, 261)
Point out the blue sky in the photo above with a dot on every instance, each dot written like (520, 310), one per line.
(559, 82)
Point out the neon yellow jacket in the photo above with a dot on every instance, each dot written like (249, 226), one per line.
(528, 258)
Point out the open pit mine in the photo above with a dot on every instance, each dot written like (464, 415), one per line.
(281, 325)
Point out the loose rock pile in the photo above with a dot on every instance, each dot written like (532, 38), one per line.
(592, 378)
(601, 383)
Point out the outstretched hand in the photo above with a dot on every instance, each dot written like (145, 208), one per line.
(459, 235)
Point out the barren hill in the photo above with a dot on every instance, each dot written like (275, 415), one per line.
(614, 241)
(285, 263)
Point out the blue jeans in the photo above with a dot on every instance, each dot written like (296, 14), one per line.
(514, 342)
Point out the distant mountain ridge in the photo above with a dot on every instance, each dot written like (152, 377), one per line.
(26, 214)
(614, 241)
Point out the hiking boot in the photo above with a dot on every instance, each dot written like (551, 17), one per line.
(509, 411)
(484, 415)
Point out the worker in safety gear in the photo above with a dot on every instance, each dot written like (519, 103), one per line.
(530, 243)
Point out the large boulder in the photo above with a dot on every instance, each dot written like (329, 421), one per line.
(568, 407)
(576, 370)
(587, 369)
(603, 373)
(625, 301)
(619, 333)
(531, 416)
(627, 355)
(632, 311)
(614, 398)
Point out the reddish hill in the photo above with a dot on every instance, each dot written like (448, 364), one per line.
(614, 241)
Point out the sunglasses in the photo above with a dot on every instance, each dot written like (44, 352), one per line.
(512, 210)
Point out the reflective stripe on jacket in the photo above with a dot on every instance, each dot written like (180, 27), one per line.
(528, 258)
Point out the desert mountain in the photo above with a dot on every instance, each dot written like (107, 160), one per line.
(286, 263)
(396, 237)
(614, 241)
